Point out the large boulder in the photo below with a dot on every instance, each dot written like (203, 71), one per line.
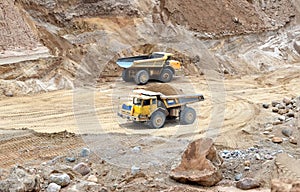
(200, 164)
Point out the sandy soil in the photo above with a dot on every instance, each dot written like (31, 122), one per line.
(93, 110)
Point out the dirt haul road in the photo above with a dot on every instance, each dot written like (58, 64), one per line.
(223, 114)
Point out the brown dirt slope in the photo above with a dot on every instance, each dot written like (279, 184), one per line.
(229, 17)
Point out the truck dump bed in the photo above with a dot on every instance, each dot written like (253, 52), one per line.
(155, 59)
(180, 100)
(172, 100)
(127, 62)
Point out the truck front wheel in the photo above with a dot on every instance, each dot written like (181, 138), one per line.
(187, 116)
(157, 120)
(166, 75)
(142, 77)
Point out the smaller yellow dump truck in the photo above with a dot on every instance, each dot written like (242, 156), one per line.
(154, 108)
(156, 66)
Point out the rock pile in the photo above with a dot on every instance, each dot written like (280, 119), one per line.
(52, 176)
(287, 109)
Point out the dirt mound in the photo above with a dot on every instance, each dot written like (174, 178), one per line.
(164, 89)
(229, 17)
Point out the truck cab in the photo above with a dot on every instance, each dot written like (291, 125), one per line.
(140, 108)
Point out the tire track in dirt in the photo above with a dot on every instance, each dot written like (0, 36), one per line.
(35, 147)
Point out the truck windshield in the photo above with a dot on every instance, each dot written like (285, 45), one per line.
(146, 102)
(137, 101)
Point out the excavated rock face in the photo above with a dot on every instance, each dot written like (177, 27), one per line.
(200, 164)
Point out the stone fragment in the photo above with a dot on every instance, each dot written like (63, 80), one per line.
(82, 168)
(247, 183)
(61, 179)
(277, 140)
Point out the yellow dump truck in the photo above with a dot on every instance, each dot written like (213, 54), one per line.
(157, 66)
(154, 108)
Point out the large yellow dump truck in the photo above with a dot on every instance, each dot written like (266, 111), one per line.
(140, 69)
(154, 108)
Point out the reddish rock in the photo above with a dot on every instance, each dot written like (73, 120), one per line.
(283, 111)
(277, 140)
(200, 164)
(82, 168)
(275, 110)
(292, 140)
(247, 183)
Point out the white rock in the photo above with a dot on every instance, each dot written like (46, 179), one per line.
(92, 178)
(61, 179)
(53, 187)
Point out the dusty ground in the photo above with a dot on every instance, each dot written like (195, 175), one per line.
(92, 113)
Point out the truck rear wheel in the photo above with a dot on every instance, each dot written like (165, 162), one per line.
(125, 75)
(166, 75)
(187, 116)
(142, 77)
(157, 120)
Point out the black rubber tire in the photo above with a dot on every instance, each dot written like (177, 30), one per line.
(125, 75)
(166, 75)
(142, 77)
(157, 120)
(187, 116)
